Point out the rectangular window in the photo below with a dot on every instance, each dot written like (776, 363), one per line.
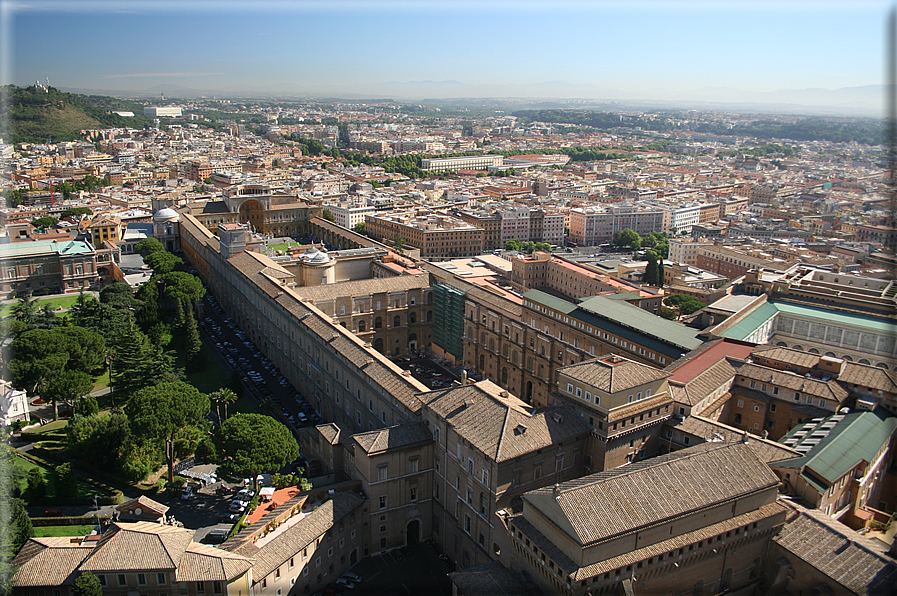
(121, 580)
(161, 579)
(382, 502)
(200, 587)
(382, 472)
(414, 465)
(413, 493)
(141, 579)
(467, 523)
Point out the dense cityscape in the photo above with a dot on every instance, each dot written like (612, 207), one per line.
(375, 347)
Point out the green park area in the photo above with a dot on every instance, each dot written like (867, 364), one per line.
(78, 530)
(55, 303)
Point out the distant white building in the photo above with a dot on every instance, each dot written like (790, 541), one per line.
(349, 216)
(13, 404)
(159, 111)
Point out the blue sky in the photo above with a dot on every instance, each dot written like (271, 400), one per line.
(634, 48)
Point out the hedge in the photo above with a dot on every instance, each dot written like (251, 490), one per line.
(75, 520)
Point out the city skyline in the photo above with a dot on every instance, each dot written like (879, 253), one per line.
(797, 53)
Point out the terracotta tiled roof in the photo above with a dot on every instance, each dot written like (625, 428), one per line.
(293, 539)
(703, 384)
(207, 563)
(138, 546)
(658, 489)
(49, 561)
(145, 502)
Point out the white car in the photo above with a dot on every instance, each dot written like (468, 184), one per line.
(245, 495)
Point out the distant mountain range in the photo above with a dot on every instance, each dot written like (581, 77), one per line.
(850, 101)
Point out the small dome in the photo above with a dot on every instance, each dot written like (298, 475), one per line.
(166, 215)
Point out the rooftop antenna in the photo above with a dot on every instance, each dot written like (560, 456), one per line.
(48, 82)
(163, 95)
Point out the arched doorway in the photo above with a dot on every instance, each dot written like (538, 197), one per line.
(528, 394)
(251, 212)
(412, 533)
(378, 344)
(412, 342)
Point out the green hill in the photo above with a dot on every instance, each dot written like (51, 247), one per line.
(36, 115)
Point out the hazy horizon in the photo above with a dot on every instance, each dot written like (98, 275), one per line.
(797, 53)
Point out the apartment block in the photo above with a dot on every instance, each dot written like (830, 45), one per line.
(437, 236)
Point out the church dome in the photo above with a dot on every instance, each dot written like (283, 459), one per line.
(166, 215)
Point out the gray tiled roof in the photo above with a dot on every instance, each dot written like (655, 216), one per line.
(706, 428)
(838, 552)
(393, 437)
(491, 579)
(500, 427)
(613, 374)
(827, 389)
(364, 287)
(657, 489)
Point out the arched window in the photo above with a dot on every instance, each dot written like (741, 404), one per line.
(482, 362)
(429, 316)
(412, 318)
(397, 321)
(378, 344)
(504, 376)
(378, 323)
(362, 326)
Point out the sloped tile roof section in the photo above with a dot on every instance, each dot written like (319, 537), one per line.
(653, 491)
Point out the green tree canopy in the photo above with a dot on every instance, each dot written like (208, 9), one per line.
(180, 285)
(119, 295)
(326, 214)
(163, 262)
(87, 584)
(627, 237)
(157, 413)
(68, 386)
(250, 444)
(686, 304)
(359, 228)
(44, 222)
(148, 246)
(75, 212)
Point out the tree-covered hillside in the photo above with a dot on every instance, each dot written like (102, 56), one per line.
(36, 115)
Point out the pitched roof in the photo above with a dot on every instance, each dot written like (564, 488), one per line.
(207, 563)
(833, 446)
(502, 426)
(703, 383)
(363, 287)
(138, 546)
(827, 389)
(873, 377)
(393, 437)
(698, 426)
(144, 502)
(294, 538)
(612, 374)
(648, 492)
(50, 561)
(841, 554)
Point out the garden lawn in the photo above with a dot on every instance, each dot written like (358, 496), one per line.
(41, 531)
(211, 377)
(84, 490)
(55, 303)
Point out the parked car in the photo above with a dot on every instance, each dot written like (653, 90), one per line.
(353, 576)
(188, 493)
(345, 582)
(245, 495)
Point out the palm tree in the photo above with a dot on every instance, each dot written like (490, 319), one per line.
(227, 397)
(215, 398)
